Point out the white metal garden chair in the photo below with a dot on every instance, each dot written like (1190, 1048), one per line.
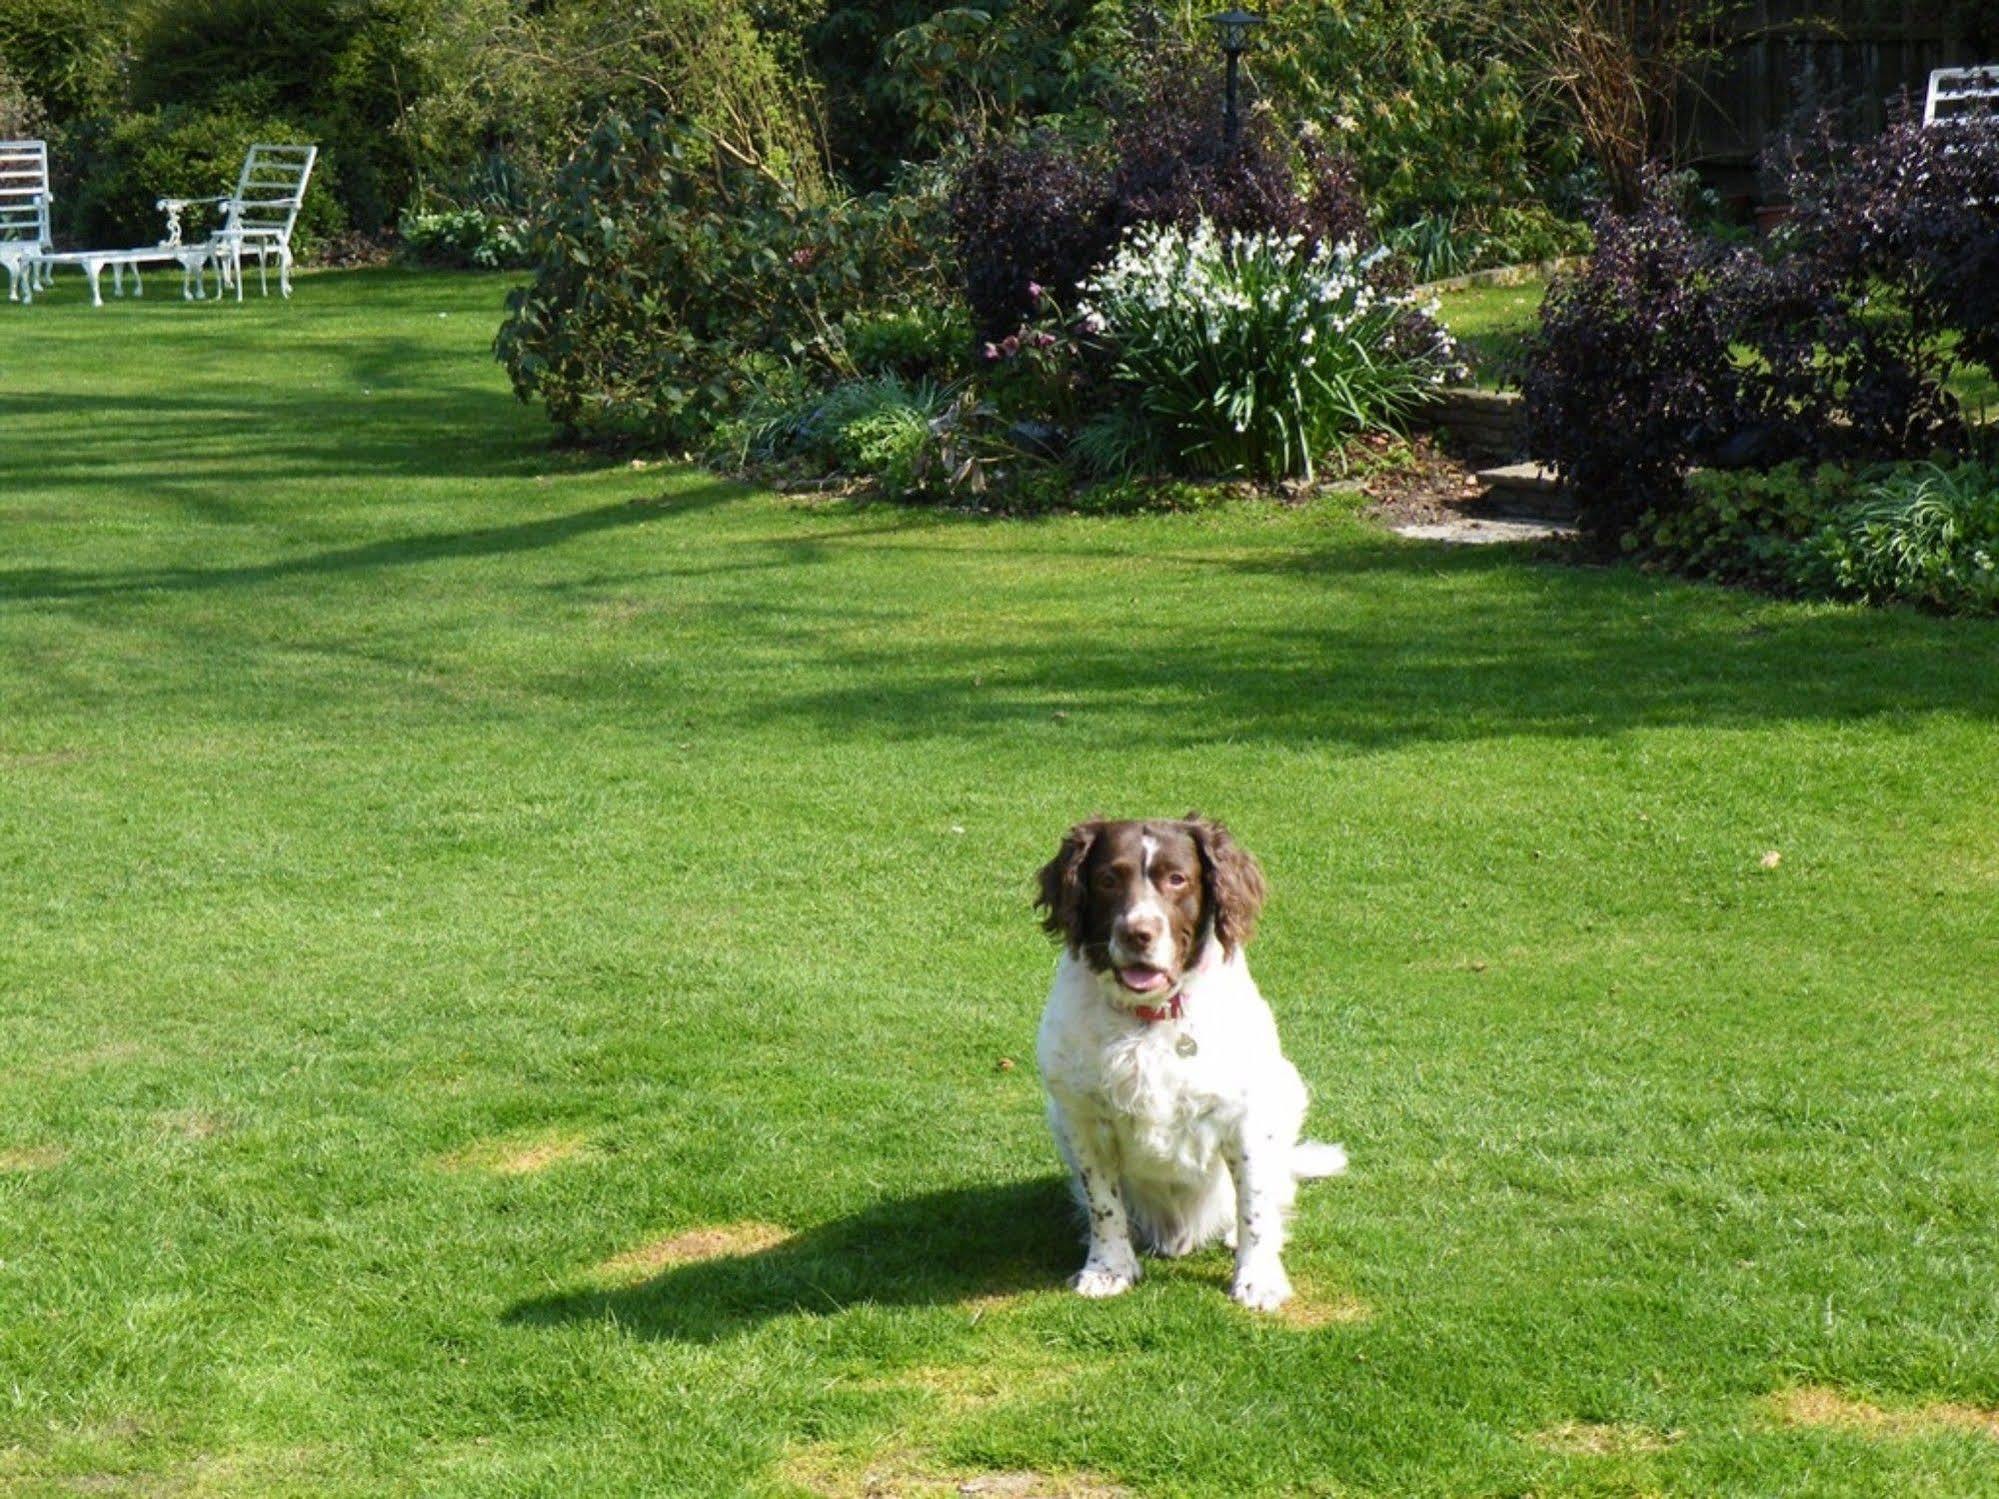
(1957, 93)
(257, 219)
(24, 213)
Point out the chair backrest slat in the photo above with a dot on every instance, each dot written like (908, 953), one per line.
(269, 192)
(1959, 93)
(24, 193)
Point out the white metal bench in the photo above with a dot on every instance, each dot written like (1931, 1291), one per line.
(24, 214)
(1959, 93)
(257, 219)
(192, 260)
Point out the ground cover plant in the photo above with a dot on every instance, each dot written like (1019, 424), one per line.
(513, 961)
(1922, 533)
(1925, 534)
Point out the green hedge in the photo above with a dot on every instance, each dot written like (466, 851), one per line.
(113, 174)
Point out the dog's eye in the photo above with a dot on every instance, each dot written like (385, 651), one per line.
(1175, 880)
(1107, 880)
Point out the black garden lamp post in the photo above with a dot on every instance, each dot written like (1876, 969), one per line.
(1234, 27)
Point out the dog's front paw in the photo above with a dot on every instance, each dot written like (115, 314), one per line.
(1262, 1289)
(1099, 1281)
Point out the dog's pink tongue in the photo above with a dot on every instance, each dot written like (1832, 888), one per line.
(1142, 980)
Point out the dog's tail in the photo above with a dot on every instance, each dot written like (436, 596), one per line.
(1313, 1159)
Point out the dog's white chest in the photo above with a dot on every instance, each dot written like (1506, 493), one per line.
(1171, 1108)
(1163, 1105)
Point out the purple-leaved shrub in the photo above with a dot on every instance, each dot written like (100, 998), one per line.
(1913, 212)
(1046, 210)
(1670, 350)
(1628, 376)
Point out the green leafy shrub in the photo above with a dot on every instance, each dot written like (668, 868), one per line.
(65, 54)
(1744, 526)
(662, 278)
(21, 113)
(967, 69)
(913, 342)
(340, 70)
(1923, 534)
(1255, 354)
(672, 282)
(465, 238)
(898, 73)
(119, 170)
(1443, 132)
(525, 82)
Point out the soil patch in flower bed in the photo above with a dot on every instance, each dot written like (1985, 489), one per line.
(1417, 489)
(1414, 482)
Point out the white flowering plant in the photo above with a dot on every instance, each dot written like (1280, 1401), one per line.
(1258, 354)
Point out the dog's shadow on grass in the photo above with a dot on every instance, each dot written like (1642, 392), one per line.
(936, 1249)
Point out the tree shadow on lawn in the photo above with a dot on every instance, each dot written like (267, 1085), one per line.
(1368, 654)
(35, 584)
(253, 436)
(935, 1249)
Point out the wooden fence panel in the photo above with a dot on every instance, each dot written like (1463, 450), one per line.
(1789, 58)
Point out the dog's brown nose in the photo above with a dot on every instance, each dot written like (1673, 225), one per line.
(1146, 929)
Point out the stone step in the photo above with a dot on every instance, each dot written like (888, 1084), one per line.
(1487, 425)
(1487, 531)
(1527, 489)
(1527, 478)
(1472, 402)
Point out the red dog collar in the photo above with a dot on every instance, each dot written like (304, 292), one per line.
(1153, 1014)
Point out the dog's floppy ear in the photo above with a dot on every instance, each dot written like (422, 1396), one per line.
(1231, 881)
(1064, 896)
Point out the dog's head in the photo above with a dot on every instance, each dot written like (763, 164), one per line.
(1139, 900)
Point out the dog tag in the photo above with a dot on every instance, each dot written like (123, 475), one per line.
(1186, 1045)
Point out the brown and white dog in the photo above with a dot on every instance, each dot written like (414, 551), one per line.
(1169, 1095)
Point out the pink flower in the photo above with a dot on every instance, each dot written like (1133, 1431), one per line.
(992, 351)
(1010, 345)
(1044, 340)
(1036, 290)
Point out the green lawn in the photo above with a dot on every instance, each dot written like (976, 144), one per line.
(1491, 323)
(442, 879)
